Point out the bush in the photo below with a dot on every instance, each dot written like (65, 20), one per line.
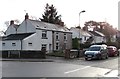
(75, 43)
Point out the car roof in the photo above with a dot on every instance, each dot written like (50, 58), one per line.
(111, 47)
(98, 46)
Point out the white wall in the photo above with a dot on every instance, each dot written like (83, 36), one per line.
(75, 34)
(8, 45)
(98, 39)
(83, 39)
(37, 41)
(113, 38)
(78, 34)
(0, 44)
(10, 30)
(26, 27)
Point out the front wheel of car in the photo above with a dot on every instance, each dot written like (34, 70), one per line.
(107, 56)
(86, 59)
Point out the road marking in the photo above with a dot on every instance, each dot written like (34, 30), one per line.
(76, 70)
(111, 73)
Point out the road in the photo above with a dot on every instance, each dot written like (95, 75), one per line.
(62, 68)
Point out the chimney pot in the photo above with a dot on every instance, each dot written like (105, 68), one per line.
(11, 22)
(26, 16)
(62, 23)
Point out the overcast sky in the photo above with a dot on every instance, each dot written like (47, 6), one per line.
(97, 10)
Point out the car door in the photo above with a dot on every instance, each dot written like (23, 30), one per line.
(103, 52)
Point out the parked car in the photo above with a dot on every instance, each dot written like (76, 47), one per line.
(96, 52)
(112, 51)
(118, 52)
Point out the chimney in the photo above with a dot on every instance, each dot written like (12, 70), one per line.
(62, 23)
(11, 22)
(26, 16)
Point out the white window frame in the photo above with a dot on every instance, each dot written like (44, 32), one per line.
(57, 36)
(29, 44)
(44, 34)
(57, 46)
(3, 44)
(44, 46)
(65, 36)
(13, 44)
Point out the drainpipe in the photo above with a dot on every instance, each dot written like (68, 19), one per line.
(53, 40)
(21, 48)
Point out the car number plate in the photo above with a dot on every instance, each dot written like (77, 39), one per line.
(89, 55)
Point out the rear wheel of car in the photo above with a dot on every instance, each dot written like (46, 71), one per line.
(107, 56)
(100, 57)
(118, 54)
(115, 54)
(86, 59)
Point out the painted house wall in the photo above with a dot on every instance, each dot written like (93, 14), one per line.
(0, 44)
(76, 33)
(10, 30)
(8, 45)
(26, 27)
(69, 40)
(98, 39)
(84, 38)
(37, 41)
(113, 38)
(62, 43)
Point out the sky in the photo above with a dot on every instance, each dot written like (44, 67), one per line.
(96, 10)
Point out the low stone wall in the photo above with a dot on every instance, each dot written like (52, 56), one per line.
(74, 53)
(24, 54)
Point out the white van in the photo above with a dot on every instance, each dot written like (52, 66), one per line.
(96, 52)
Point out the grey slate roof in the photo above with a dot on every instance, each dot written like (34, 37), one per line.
(48, 26)
(83, 33)
(17, 36)
(96, 33)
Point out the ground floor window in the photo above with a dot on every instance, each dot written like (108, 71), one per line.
(57, 46)
(44, 46)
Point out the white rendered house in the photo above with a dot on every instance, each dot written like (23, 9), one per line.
(34, 35)
(80, 34)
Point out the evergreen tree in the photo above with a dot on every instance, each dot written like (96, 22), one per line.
(50, 15)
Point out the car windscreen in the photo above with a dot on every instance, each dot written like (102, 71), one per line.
(94, 48)
(110, 48)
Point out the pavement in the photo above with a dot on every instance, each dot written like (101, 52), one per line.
(47, 59)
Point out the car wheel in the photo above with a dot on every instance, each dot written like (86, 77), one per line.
(115, 54)
(118, 54)
(100, 58)
(86, 59)
(107, 56)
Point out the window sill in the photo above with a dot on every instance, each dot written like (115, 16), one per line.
(44, 38)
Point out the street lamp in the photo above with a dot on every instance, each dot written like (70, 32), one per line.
(79, 16)
(79, 30)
